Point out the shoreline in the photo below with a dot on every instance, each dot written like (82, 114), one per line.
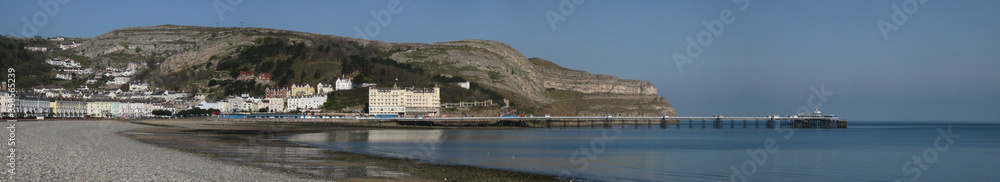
(93, 150)
(255, 144)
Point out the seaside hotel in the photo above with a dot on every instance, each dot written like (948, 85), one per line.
(404, 101)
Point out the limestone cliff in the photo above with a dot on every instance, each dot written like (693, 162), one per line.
(553, 89)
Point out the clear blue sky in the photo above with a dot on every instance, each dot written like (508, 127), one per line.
(940, 64)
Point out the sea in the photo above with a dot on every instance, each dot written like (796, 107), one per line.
(864, 151)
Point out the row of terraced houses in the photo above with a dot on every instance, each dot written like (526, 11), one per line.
(11, 106)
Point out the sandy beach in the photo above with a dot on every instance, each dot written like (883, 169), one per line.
(194, 150)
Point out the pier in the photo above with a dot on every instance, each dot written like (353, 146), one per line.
(662, 122)
(801, 120)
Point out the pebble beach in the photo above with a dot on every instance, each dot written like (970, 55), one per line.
(92, 151)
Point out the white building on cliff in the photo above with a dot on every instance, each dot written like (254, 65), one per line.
(343, 83)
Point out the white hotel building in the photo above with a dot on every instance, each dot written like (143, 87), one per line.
(406, 101)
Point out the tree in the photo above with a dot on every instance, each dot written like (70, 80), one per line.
(30, 65)
(341, 99)
(124, 87)
(262, 110)
(196, 111)
(265, 66)
(161, 112)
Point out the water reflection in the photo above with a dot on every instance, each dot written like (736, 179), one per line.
(434, 136)
(860, 153)
(266, 152)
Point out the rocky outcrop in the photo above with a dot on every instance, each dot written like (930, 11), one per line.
(178, 47)
(497, 65)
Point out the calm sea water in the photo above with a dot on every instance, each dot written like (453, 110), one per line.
(866, 151)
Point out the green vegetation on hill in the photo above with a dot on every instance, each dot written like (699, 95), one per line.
(29, 66)
(292, 62)
(272, 55)
(341, 99)
(237, 87)
(475, 92)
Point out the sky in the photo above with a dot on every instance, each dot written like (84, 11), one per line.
(862, 60)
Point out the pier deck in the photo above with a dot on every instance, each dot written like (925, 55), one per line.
(716, 122)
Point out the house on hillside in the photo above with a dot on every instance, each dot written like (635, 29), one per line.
(70, 45)
(64, 76)
(464, 84)
(36, 48)
(301, 90)
(119, 81)
(246, 76)
(324, 88)
(343, 83)
(264, 77)
(138, 86)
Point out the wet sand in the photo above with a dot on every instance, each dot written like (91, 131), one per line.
(255, 144)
